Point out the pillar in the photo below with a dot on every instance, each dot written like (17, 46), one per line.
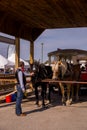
(17, 52)
(31, 53)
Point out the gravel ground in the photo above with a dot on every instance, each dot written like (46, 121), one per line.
(53, 117)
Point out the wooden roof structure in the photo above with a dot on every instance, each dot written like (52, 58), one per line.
(27, 19)
(68, 52)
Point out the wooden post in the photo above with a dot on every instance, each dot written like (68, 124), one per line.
(31, 53)
(17, 51)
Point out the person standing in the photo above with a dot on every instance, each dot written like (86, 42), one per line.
(21, 82)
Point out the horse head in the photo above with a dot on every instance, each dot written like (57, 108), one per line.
(57, 70)
(43, 71)
(61, 70)
(40, 71)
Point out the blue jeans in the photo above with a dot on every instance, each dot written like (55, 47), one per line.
(19, 100)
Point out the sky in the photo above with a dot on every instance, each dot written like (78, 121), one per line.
(71, 38)
(52, 39)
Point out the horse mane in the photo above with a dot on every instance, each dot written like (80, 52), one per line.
(64, 68)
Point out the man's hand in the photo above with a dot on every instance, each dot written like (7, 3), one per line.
(23, 90)
(32, 73)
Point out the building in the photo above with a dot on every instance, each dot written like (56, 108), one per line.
(70, 55)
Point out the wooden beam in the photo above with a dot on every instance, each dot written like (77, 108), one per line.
(31, 52)
(17, 53)
(7, 40)
(3, 18)
(62, 81)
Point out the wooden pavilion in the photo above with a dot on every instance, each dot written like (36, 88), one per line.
(27, 19)
(70, 54)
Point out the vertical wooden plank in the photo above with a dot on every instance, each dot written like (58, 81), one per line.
(17, 51)
(31, 52)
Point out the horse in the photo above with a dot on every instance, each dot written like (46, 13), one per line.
(76, 76)
(64, 71)
(40, 72)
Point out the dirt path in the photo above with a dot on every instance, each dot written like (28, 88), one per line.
(54, 117)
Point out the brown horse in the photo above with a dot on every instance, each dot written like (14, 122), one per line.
(62, 71)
